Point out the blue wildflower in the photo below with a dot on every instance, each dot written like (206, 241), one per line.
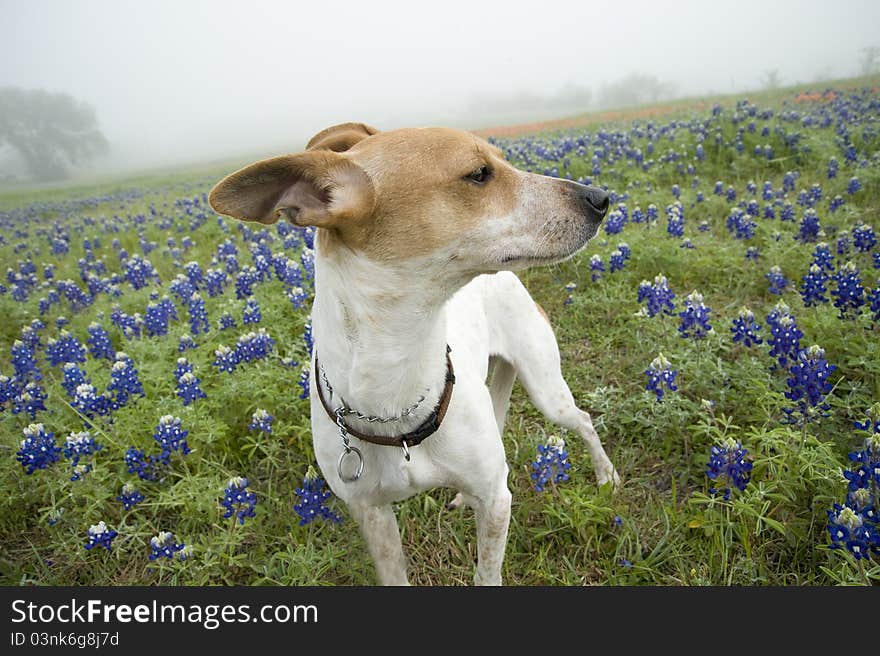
(853, 186)
(100, 536)
(164, 546)
(745, 328)
(251, 311)
(238, 500)
(597, 266)
(864, 238)
(261, 420)
(823, 258)
(99, 342)
(785, 335)
(147, 467)
(189, 388)
(728, 467)
(65, 349)
(129, 496)
(813, 286)
(24, 362)
(226, 321)
(778, 281)
(198, 315)
(848, 530)
(809, 228)
(226, 359)
(78, 445)
(657, 296)
(186, 342)
(170, 435)
(551, 464)
(660, 374)
(38, 449)
(808, 384)
(849, 295)
(124, 381)
(312, 499)
(695, 317)
(304, 384)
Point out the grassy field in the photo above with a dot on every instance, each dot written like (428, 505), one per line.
(664, 526)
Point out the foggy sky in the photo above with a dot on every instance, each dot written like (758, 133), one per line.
(195, 80)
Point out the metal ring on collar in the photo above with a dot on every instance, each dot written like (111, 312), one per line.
(360, 466)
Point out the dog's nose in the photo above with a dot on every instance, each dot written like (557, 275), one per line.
(598, 200)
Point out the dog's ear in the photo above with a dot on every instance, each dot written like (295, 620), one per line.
(340, 137)
(319, 188)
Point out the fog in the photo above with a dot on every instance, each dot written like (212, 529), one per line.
(197, 81)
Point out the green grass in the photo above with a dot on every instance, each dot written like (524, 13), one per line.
(672, 532)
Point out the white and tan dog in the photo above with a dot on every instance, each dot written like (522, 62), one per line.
(418, 232)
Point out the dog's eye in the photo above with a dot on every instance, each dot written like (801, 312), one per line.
(479, 176)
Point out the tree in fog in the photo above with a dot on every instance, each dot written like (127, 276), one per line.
(771, 79)
(50, 131)
(870, 60)
(635, 89)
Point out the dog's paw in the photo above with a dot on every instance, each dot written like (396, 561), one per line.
(608, 474)
(457, 502)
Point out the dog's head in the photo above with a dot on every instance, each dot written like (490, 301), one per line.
(417, 192)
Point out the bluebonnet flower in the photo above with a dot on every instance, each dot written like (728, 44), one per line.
(170, 435)
(198, 315)
(139, 272)
(740, 224)
(808, 384)
(251, 312)
(65, 349)
(597, 266)
(551, 465)
(849, 293)
(864, 238)
(719, 188)
(99, 342)
(615, 222)
(124, 382)
(30, 399)
(787, 212)
(813, 286)
(785, 336)
(653, 213)
(183, 367)
(704, 226)
(129, 496)
(100, 536)
(78, 445)
(695, 317)
(625, 250)
(616, 261)
(312, 500)
(38, 449)
(728, 467)
(853, 186)
(215, 280)
(745, 328)
(638, 216)
(256, 345)
(238, 500)
(660, 374)
(848, 530)
(658, 296)
(147, 467)
(676, 191)
(832, 168)
(809, 228)
(261, 420)
(60, 322)
(307, 336)
(822, 257)
(297, 298)
(686, 243)
(873, 298)
(675, 221)
(182, 288)
(843, 242)
(836, 203)
(189, 388)
(194, 274)
(24, 361)
(226, 359)
(304, 384)
(731, 194)
(55, 516)
(164, 546)
(186, 342)
(778, 281)
(244, 282)
(226, 321)
(752, 253)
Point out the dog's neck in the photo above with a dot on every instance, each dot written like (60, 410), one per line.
(380, 333)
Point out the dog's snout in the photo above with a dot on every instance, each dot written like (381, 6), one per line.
(598, 200)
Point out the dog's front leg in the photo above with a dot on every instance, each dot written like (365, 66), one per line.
(379, 528)
(493, 519)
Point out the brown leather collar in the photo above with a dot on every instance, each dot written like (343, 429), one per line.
(414, 437)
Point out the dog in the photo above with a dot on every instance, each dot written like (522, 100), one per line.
(420, 324)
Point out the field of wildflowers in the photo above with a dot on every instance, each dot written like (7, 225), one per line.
(723, 330)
